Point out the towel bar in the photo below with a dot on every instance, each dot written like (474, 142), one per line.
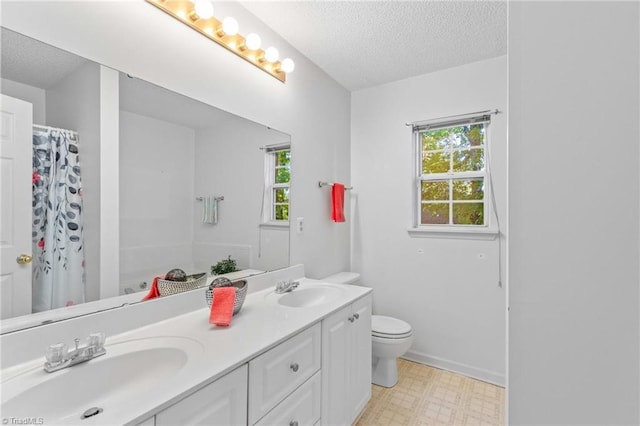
(321, 184)
(221, 198)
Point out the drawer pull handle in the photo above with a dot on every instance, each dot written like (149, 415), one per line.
(351, 319)
(356, 315)
(295, 367)
(293, 423)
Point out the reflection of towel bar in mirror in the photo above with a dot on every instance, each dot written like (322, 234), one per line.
(216, 198)
(321, 184)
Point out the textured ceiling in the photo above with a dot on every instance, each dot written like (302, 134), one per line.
(32, 62)
(358, 43)
(367, 43)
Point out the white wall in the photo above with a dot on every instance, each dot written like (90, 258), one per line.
(34, 95)
(573, 213)
(229, 163)
(109, 181)
(449, 296)
(156, 197)
(163, 167)
(274, 248)
(311, 107)
(74, 104)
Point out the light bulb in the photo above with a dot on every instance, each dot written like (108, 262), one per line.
(253, 41)
(287, 65)
(203, 8)
(271, 54)
(230, 26)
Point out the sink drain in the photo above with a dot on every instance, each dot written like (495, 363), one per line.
(93, 411)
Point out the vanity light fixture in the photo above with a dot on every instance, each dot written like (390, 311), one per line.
(203, 9)
(271, 54)
(252, 42)
(198, 14)
(229, 27)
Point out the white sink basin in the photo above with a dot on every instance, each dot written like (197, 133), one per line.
(304, 297)
(128, 369)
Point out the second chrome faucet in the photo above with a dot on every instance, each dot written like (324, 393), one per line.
(286, 286)
(59, 357)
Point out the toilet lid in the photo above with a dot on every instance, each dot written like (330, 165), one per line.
(382, 326)
(391, 336)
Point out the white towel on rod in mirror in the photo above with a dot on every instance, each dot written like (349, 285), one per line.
(209, 210)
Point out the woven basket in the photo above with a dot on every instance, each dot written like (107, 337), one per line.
(241, 291)
(167, 288)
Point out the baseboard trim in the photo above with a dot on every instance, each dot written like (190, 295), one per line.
(456, 367)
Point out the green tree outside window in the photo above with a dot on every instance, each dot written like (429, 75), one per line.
(452, 190)
(282, 180)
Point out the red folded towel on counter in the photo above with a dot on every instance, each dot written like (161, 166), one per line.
(337, 202)
(222, 306)
(153, 291)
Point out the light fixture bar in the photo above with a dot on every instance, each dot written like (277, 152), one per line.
(184, 11)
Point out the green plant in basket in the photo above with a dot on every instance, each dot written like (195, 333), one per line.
(224, 266)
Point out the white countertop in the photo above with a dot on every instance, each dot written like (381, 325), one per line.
(261, 324)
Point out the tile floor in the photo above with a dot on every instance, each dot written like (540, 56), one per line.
(429, 396)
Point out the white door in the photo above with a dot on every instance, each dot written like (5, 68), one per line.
(15, 206)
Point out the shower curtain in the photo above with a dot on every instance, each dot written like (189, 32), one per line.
(58, 263)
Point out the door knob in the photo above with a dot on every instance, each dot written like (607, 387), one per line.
(23, 259)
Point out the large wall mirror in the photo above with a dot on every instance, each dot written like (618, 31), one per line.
(197, 185)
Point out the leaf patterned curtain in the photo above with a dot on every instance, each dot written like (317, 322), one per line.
(58, 244)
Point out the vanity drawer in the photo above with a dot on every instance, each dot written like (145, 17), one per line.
(221, 403)
(301, 408)
(276, 373)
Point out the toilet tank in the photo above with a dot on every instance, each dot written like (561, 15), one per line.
(343, 278)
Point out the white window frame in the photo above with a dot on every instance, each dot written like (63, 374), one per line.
(269, 211)
(486, 231)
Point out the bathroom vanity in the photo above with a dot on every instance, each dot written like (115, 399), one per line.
(302, 357)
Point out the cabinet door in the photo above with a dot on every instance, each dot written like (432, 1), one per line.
(223, 402)
(301, 408)
(336, 332)
(360, 357)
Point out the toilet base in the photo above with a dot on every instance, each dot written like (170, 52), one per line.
(385, 372)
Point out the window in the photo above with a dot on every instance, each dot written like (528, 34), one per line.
(452, 177)
(277, 183)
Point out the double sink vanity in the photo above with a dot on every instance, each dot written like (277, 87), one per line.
(298, 358)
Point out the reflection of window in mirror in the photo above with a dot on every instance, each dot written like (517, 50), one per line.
(277, 183)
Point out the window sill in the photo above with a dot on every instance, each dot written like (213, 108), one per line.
(449, 232)
(275, 225)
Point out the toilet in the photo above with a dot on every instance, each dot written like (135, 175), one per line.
(390, 339)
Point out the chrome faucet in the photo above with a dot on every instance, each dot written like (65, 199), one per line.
(58, 357)
(286, 286)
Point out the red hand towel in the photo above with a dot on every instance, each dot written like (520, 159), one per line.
(222, 306)
(153, 291)
(337, 202)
